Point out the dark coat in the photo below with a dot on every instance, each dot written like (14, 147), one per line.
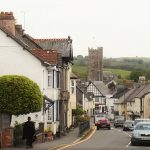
(28, 130)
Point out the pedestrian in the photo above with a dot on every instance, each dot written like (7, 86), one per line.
(29, 132)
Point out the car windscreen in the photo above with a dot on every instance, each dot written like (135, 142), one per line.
(142, 127)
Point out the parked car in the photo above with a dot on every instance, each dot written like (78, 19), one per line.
(103, 123)
(118, 117)
(141, 120)
(119, 122)
(141, 133)
(128, 125)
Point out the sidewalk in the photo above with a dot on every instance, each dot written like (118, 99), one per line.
(69, 138)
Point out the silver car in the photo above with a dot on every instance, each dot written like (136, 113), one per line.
(141, 133)
(128, 125)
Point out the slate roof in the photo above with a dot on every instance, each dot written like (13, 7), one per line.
(137, 92)
(64, 46)
(45, 57)
(124, 97)
(102, 87)
(145, 90)
(121, 89)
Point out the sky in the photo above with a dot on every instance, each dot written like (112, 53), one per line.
(121, 27)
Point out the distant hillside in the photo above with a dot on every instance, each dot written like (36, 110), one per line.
(82, 72)
(119, 66)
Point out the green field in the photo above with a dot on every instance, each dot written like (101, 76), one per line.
(82, 71)
(123, 73)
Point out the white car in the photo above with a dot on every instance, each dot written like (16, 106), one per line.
(141, 133)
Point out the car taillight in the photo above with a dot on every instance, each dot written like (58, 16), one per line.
(108, 122)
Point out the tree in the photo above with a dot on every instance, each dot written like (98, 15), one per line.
(19, 95)
(135, 75)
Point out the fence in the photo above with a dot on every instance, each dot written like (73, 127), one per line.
(83, 126)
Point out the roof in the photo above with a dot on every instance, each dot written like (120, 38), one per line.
(73, 76)
(121, 89)
(145, 90)
(102, 87)
(50, 57)
(64, 45)
(45, 57)
(137, 92)
(124, 97)
(88, 95)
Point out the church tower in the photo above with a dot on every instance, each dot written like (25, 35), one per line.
(95, 66)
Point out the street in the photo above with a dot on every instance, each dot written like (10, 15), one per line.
(103, 139)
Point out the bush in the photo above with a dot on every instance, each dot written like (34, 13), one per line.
(19, 95)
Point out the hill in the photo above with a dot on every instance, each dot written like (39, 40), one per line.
(120, 66)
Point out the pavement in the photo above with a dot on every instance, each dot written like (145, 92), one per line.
(70, 137)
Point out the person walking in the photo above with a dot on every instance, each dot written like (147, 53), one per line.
(29, 132)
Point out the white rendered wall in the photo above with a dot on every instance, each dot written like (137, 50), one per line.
(14, 60)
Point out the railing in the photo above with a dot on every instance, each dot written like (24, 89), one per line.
(83, 126)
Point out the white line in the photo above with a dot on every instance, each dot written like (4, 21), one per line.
(127, 134)
(128, 144)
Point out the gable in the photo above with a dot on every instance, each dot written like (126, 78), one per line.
(92, 88)
(6, 41)
(10, 41)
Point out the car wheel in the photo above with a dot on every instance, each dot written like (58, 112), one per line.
(97, 128)
(109, 128)
(133, 143)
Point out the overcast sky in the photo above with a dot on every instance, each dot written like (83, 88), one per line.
(121, 27)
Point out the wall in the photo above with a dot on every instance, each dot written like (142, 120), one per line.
(14, 60)
(147, 106)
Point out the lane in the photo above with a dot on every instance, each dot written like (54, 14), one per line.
(104, 139)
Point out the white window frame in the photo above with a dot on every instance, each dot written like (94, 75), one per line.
(50, 78)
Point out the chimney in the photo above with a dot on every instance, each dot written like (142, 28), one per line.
(7, 20)
(19, 30)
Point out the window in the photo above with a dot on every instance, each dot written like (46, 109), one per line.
(54, 79)
(58, 79)
(50, 114)
(50, 78)
(73, 87)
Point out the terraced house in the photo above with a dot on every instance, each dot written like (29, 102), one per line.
(45, 61)
(134, 103)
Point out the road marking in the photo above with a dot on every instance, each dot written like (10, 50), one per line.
(127, 134)
(128, 144)
(56, 147)
(77, 141)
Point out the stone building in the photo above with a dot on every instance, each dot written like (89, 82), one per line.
(95, 67)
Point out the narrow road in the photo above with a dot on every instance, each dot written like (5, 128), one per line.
(104, 139)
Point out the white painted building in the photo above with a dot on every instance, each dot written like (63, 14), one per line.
(15, 59)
